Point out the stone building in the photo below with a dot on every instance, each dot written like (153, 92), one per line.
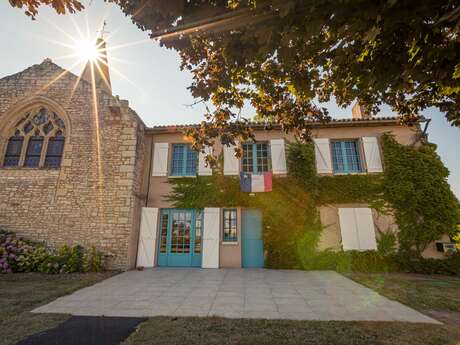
(78, 166)
(70, 157)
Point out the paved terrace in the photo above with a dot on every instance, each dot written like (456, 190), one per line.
(234, 293)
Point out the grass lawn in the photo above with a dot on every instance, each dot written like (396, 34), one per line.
(20, 293)
(435, 295)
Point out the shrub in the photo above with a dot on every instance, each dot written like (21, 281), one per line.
(93, 260)
(448, 266)
(21, 255)
(386, 243)
(352, 261)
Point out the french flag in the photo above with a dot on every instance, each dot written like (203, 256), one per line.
(255, 183)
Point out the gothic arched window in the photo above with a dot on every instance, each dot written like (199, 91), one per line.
(37, 141)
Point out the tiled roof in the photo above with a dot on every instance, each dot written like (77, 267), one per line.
(332, 123)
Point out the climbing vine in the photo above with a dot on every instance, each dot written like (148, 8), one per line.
(415, 185)
(290, 218)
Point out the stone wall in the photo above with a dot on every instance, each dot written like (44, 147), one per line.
(93, 198)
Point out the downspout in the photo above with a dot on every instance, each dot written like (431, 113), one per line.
(146, 197)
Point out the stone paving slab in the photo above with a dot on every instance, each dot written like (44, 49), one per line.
(234, 293)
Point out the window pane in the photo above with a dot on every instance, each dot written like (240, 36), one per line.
(163, 232)
(181, 229)
(352, 156)
(34, 150)
(262, 157)
(54, 152)
(198, 231)
(337, 158)
(191, 163)
(247, 163)
(13, 151)
(230, 225)
(177, 165)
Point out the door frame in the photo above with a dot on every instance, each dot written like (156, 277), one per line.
(244, 239)
(169, 259)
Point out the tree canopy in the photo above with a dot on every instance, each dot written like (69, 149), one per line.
(287, 56)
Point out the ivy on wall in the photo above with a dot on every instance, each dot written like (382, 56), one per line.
(414, 185)
(290, 218)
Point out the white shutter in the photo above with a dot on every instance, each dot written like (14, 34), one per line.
(231, 163)
(323, 156)
(365, 229)
(204, 169)
(147, 237)
(278, 156)
(357, 229)
(160, 159)
(347, 222)
(372, 154)
(211, 234)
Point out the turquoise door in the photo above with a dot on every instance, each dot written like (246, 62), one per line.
(179, 242)
(252, 241)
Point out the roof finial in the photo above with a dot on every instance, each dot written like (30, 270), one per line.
(102, 31)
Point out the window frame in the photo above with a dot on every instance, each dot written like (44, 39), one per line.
(345, 162)
(255, 166)
(185, 154)
(229, 239)
(37, 117)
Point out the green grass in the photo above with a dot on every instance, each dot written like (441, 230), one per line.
(422, 292)
(217, 331)
(20, 293)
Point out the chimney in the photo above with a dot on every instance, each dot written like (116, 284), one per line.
(358, 112)
(100, 67)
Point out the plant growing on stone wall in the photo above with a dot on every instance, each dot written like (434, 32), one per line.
(416, 187)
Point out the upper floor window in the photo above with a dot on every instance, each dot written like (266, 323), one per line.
(38, 141)
(184, 160)
(255, 158)
(230, 221)
(346, 156)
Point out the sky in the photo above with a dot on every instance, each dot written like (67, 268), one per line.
(143, 72)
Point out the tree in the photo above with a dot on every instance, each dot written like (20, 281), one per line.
(284, 56)
(60, 6)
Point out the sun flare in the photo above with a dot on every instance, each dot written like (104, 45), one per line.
(87, 49)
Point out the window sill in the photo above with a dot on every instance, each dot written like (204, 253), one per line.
(230, 243)
(182, 176)
(349, 173)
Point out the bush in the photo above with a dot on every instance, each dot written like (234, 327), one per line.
(93, 260)
(449, 266)
(352, 261)
(21, 255)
